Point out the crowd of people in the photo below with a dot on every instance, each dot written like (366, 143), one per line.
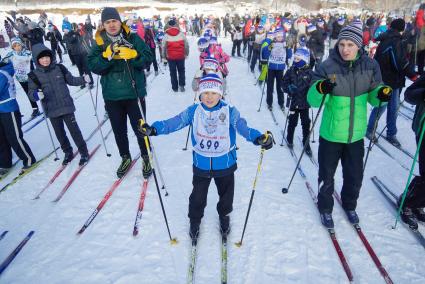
(338, 62)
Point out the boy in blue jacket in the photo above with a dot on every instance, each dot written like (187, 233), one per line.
(214, 125)
(11, 136)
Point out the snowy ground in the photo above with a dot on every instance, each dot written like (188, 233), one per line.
(284, 241)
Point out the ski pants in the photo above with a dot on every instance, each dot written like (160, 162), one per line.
(177, 66)
(24, 86)
(293, 121)
(69, 120)
(198, 198)
(83, 68)
(236, 46)
(11, 137)
(392, 108)
(273, 75)
(118, 112)
(415, 197)
(56, 49)
(351, 156)
(254, 58)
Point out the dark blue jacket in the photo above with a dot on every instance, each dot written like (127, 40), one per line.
(8, 101)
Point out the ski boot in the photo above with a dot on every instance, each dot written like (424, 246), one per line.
(393, 140)
(182, 89)
(194, 229)
(124, 166)
(327, 221)
(308, 151)
(3, 172)
(84, 160)
(156, 73)
(369, 136)
(35, 113)
(352, 216)
(67, 158)
(409, 218)
(270, 107)
(419, 214)
(91, 86)
(225, 225)
(147, 168)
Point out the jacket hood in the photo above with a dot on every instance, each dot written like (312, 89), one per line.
(37, 49)
(173, 31)
(388, 34)
(8, 67)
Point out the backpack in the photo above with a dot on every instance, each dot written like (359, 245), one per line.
(34, 77)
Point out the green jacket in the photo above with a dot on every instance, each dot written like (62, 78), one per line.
(115, 80)
(344, 117)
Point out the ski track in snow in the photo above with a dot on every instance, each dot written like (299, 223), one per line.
(284, 241)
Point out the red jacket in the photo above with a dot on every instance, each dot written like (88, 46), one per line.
(175, 46)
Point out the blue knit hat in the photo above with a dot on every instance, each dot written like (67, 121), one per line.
(109, 13)
(211, 83)
(303, 54)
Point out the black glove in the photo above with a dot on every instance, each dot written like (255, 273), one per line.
(325, 86)
(147, 130)
(384, 94)
(265, 140)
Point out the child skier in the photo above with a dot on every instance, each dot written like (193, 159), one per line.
(11, 136)
(214, 125)
(48, 83)
(22, 63)
(296, 83)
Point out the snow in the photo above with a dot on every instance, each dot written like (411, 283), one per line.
(284, 241)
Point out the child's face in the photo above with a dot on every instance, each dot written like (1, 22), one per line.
(210, 99)
(297, 59)
(44, 61)
(17, 47)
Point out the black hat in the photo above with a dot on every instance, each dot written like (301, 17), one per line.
(172, 22)
(109, 13)
(398, 25)
(46, 52)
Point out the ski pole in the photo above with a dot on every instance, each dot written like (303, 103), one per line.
(98, 123)
(264, 84)
(133, 84)
(375, 126)
(190, 127)
(97, 91)
(286, 189)
(50, 133)
(239, 244)
(173, 241)
(312, 115)
(410, 173)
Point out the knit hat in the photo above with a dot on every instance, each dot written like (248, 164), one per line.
(210, 63)
(211, 83)
(341, 20)
(352, 33)
(303, 54)
(320, 23)
(16, 40)
(172, 22)
(270, 34)
(133, 28)
(311, 28)
(398, 25)
(109, 13)
(213, 40)
(279, 32)
(357, 22)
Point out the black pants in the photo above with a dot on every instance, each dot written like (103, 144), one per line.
(177, 66)
(56, 49)
(254, 59)
(69, 120)
(25, 87)
(236, 45)
(249, 52)
(11, 137)
(245, 44)
(71, 58)
(271, 76)
(198, 198)
(83, 68)
(415, 197)
(293, 121)
(155, 64)
(421, 61)
(118, 112)
(351, 156)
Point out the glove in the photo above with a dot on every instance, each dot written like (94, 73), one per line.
(384, 94)
(87, 78)
(292, 89)
(146, 129)
(38, 95)
(127, 53)
(414, 78)
(265, 140)
(325, 86)
(108, 53)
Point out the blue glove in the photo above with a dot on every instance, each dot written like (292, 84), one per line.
(38, 95)
(292, 89)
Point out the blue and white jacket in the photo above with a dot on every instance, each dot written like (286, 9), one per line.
(8, 101)
(275, 53)
(203, 165)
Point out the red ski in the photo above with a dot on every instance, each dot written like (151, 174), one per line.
(368, 247)
(140, 209)
(334, 240)
(75, 175)
(106, 198)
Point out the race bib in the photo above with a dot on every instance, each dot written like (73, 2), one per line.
(211, 132)
(21, 64)
(278, 53)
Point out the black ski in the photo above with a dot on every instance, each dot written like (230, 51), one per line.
(399, 148)
(391, 197)
(223, 258)
(383, 149)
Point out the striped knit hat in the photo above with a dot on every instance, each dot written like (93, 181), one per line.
(210, 63)
(211, 83)
(353, 33)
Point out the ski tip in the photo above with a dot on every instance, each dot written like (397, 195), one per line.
(184, 149)
(80, 232)
(135, 233)
(238, 244)
(31, 233)
(285, 190)
(37, 197)
(174, 241)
